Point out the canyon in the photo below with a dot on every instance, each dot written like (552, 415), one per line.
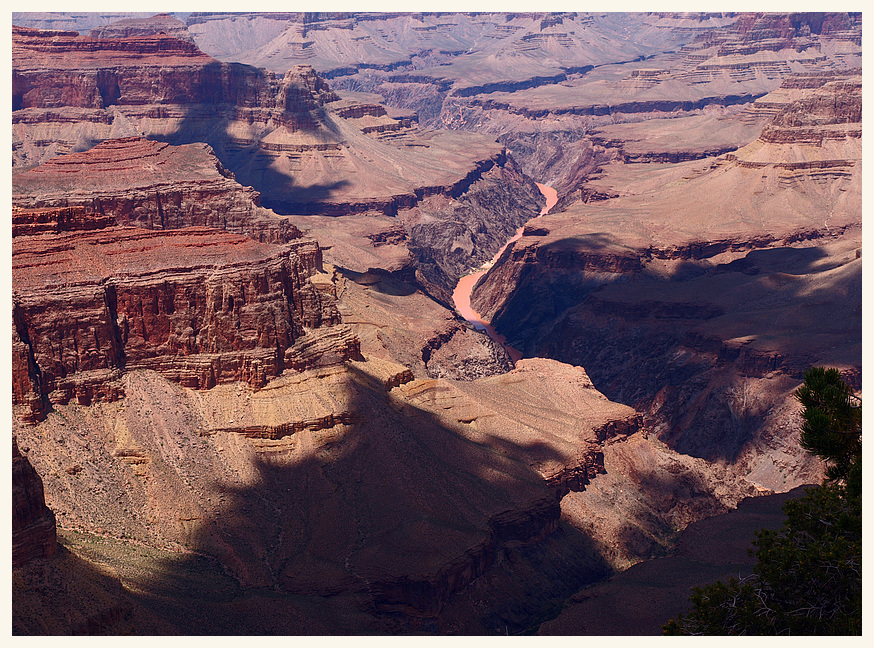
(248, 396)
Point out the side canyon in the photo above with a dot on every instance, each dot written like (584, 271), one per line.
(247, 398)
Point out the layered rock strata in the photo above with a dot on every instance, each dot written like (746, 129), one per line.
(271, 132)
(301, 146)
(520, 76)
(403, 483)
(155, 85)
(662, 293)
(150, 26)
(541, 81)
(333, 482)
(197, 305)
(140, 183)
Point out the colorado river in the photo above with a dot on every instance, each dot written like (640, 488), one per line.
(464, 288)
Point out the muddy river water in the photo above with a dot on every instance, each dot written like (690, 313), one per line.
(464, 288)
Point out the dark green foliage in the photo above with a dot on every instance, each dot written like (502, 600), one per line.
(808, 578)
(832, 428)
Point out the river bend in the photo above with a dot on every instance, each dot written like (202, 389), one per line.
(463, 290)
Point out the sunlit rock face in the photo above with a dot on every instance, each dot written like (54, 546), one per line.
(302, 147)
(236, 365)
(96, 294)
(704, 311)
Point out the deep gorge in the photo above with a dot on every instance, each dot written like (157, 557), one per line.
(253, 259)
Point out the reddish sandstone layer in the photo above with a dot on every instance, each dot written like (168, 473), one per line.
(140, 183)
(54, 69)
(36, 48)
(33, 523)
(120, 86)
(197, 305)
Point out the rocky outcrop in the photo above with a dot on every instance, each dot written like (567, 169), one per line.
(457, 354)
(63, 69)
(158, 24)
(653, 287)
(833, 110)
(33, 523)
(140, 183)
(357, 452)
(199, 306)
(196, 296)
(121, 85)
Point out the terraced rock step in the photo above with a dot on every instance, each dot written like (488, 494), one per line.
(197, 305)
(279, 469)
(140, 183)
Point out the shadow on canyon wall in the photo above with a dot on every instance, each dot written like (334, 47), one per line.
(250, 165)
(399, 525)
(638, 600)
(295, 199)
(693, 342)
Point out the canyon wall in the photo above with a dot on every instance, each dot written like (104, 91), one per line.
(234, 360)
(95, 294)
(140, 183)
(283, 135)
(33, 523)
(201, 323)
(660, 292)
(180, 368)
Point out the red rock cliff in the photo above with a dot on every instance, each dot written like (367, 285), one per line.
(52, 69)
(199, 306)
(142, 183)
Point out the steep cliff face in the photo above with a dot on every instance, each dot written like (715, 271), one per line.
(140, 183)
(130, 341)
(205, 308)
(33, 523)
(660, 292)
(304, 150)
(449, 237)
(269, 130)
(64, 69)
(216, 289)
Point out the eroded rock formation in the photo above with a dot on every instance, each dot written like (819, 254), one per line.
(303, 148)
(305, 444)
(207, 307)
(281, 474)
(149, 26)
(539, 82)
(140, 183)
(200, 296)
(660, 292)
(33, 523)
